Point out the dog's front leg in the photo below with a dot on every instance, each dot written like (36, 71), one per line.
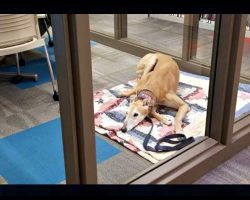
(157, 116)
(173, 101)
(127, 93)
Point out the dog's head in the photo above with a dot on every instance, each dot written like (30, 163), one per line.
(137, 111)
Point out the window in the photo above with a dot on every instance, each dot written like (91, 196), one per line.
(103, 23)
(114, 71)
(243, 97)
(157, 31)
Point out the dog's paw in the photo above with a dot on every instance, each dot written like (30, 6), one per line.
(178, 127)
(122, 94)
(119, 95)
(166, 121)
(179, 131)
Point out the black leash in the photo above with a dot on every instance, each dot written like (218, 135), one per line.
(181, 141)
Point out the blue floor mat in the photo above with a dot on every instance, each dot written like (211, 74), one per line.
(35, 155)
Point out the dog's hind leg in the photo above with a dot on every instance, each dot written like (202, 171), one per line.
(173, 101)
(146, 64)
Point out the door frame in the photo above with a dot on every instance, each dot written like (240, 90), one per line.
(73, 61)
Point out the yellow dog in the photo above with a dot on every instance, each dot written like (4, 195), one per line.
(157, 85)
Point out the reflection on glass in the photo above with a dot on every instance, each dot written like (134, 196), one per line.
(103, 23)
(158, 31)
(243, 98)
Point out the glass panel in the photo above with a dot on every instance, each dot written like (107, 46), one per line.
(103, 23)
(203, 39)
(243, 98)
(114, 71)
(157, 31)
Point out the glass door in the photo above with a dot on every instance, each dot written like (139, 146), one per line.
(97, 151)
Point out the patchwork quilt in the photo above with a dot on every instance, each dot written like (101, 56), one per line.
(110, 111)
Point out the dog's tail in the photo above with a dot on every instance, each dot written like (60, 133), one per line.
(146, 64)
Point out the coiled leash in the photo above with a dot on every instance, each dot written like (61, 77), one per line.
(181, 141)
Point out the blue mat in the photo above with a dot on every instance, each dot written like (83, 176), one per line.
(39, 67)
(35, 155)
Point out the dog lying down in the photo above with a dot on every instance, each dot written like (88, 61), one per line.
(157, 85)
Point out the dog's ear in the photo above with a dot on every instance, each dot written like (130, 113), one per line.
(145, 102)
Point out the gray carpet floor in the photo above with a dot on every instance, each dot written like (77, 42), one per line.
(234, 171)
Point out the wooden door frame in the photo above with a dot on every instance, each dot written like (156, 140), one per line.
(73, 60)
(120, 26)
(190, 36)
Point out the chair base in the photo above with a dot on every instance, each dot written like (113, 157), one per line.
(18, 77)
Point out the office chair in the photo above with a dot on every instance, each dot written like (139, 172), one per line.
(19, 33)
(44, 22)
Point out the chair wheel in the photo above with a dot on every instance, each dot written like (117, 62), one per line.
(17, 79)
(35, 78)
(56, 96)
(21, 62)
(50, 43)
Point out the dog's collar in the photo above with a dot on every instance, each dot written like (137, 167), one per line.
(147, 94)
